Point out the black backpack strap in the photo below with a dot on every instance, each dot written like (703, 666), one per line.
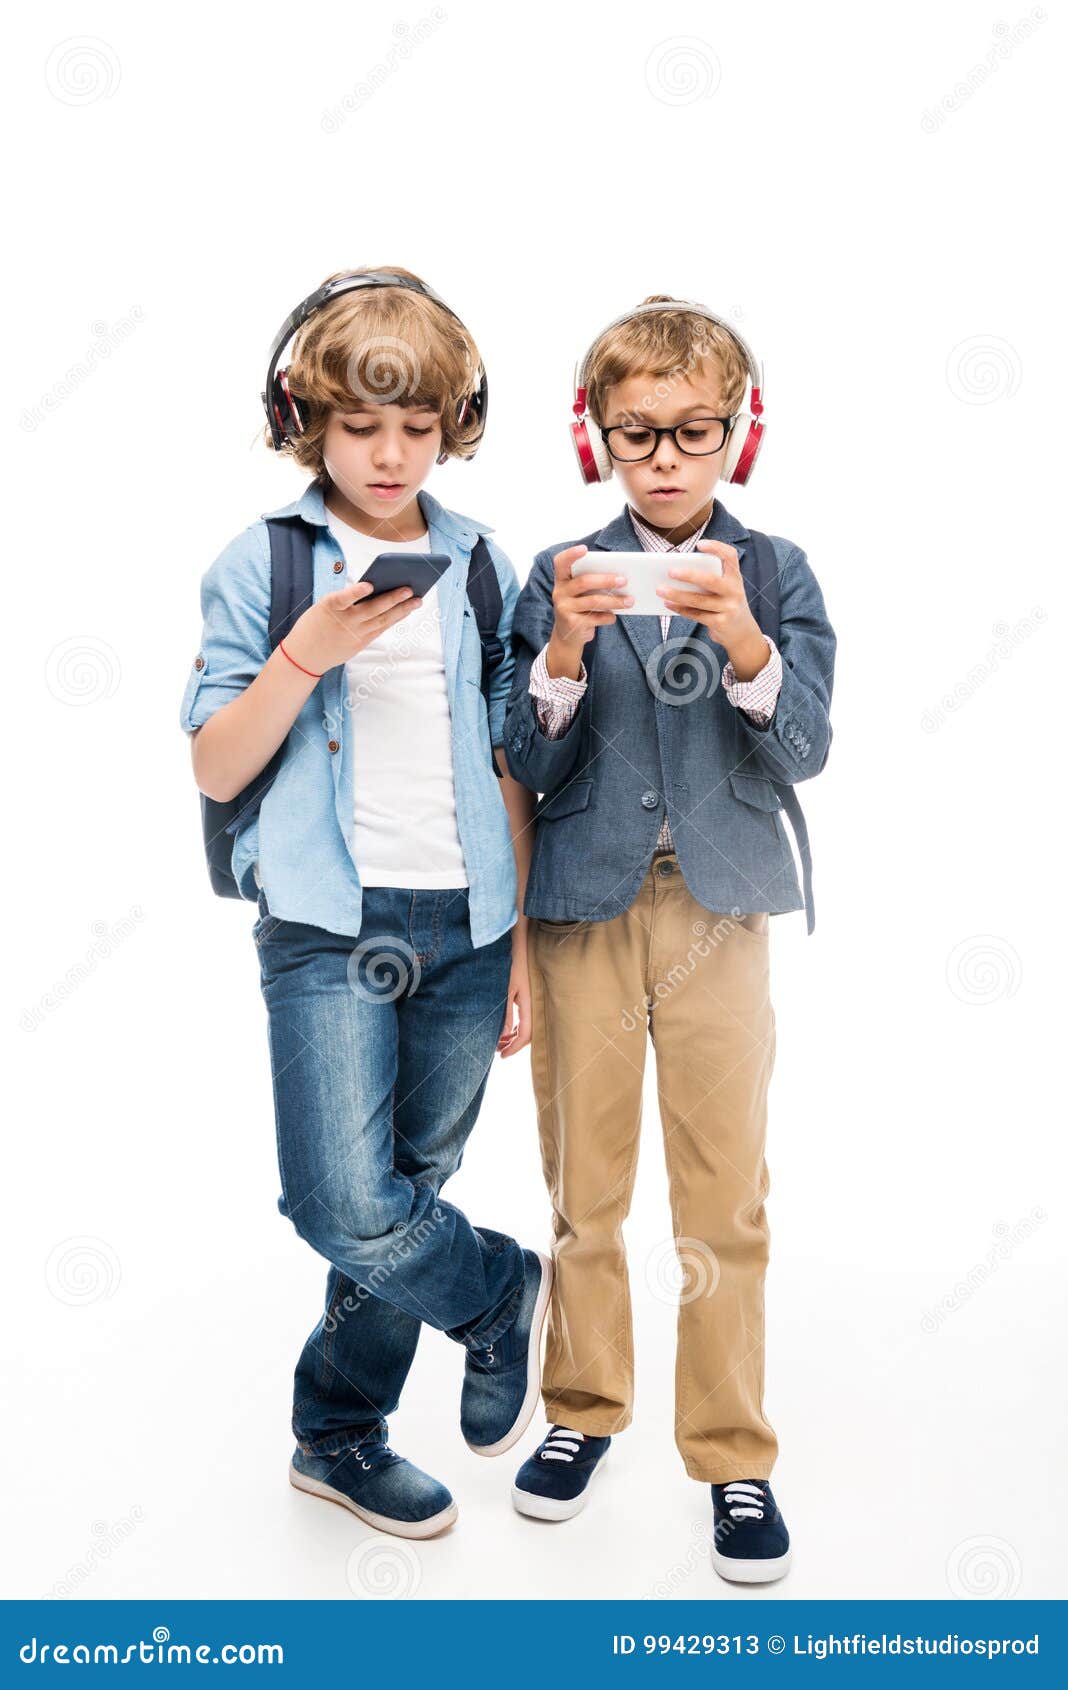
(292, 585)
(484, 592)
(292, 591)
(760, 573)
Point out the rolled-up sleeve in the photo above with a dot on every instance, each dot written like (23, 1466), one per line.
(235, 603)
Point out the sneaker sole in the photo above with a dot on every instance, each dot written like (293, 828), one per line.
(533, 1396)
(751, 1572)
(550, 1507)
(381, 1522)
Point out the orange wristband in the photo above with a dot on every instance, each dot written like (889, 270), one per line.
(300, 666)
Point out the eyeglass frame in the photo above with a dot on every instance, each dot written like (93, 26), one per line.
(659, 433)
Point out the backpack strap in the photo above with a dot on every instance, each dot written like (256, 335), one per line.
(484, 592)
(292, 588)
(760, 573)
(292, 591)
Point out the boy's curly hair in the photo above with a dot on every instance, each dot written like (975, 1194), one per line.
(383, 345)
(671, 345)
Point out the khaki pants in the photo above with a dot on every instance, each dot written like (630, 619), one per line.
(699, 982)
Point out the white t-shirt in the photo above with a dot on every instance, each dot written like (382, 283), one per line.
(405, 798)
(404, 817)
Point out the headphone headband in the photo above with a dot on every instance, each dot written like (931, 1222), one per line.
(756, 372)
(349, 283)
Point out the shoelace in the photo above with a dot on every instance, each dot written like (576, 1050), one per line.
(358, 1452)
(743, 1500)
(561, 1445)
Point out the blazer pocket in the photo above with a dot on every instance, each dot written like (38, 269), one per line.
(574, 796)
(755, 790)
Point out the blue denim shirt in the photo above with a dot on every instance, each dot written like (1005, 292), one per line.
(303, 835)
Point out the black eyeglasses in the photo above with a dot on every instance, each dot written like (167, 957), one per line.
(698, 438)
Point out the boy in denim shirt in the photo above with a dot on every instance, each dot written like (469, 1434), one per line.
(383, 861)
(659, 856)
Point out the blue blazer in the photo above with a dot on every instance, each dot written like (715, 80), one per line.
(635, 751)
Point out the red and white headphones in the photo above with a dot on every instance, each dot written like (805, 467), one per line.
(746, 433)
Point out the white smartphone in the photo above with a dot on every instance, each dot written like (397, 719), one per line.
(645, 571)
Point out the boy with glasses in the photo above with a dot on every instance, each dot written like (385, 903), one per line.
(659, 856)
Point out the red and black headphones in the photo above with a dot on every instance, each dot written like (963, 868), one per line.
(743, 442)
(286, 413)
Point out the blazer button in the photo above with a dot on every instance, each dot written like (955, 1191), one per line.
(199, 664)
(338, 567)
(650, 800)
(332, 745)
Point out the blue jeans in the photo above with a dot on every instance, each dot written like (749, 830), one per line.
(380, 1052)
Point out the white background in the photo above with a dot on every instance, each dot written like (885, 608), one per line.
(180, 181)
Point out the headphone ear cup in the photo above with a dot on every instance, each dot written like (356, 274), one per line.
(743, 444)
(288, 408)
(594, 458)
(474, 405)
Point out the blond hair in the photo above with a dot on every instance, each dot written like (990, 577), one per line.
(671, 345)
(382, 345)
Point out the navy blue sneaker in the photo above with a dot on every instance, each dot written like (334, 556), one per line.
(379, 1486)
(750, 1542)
(551, 1484)
(502, 1380)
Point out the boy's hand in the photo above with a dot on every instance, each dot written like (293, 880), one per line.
(719, 603)
(515, 1034)
(343, 623)
(581, 605)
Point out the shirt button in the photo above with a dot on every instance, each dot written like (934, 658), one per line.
(666, 868)
(199, 664)
(338, 567)
(332, 745)
(650, 800)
